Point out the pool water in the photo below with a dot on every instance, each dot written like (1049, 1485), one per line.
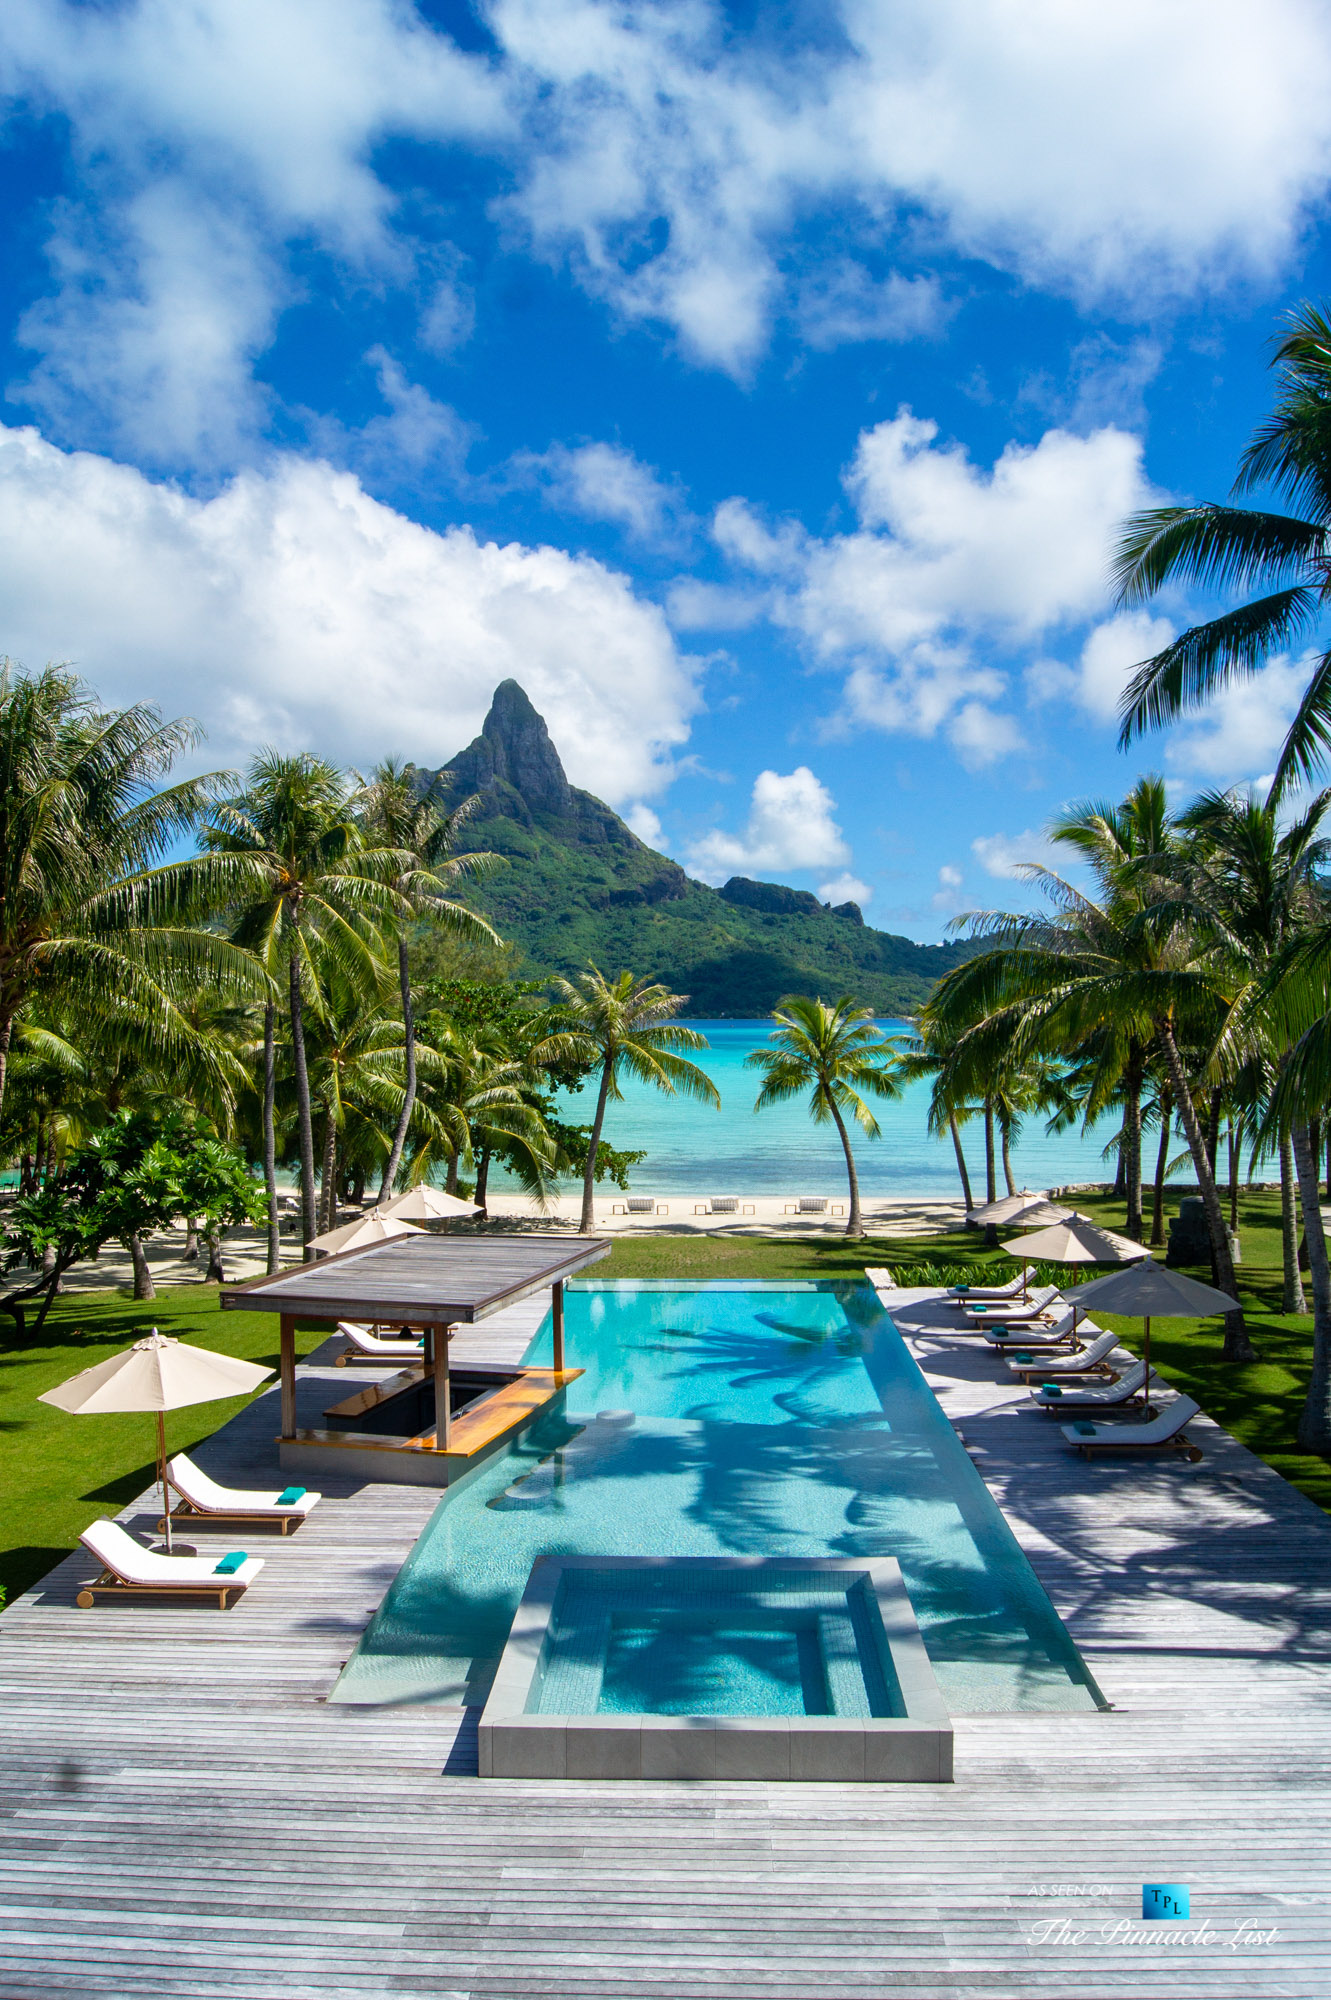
(720, 1420)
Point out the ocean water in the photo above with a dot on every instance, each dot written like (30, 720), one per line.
(692, 1148)
(719, 1420)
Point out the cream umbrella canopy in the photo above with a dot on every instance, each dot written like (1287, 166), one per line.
(426, 1204)
(1076, 1240)
(1146, 1291)
(1023, 1207)
(371, 1228)
(158, 1373)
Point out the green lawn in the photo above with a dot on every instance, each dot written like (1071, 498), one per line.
(59, 1472)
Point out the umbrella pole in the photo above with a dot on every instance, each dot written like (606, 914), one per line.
(1146, 1385)
(166, 1491)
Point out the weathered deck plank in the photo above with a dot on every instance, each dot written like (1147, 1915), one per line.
(182, 1814)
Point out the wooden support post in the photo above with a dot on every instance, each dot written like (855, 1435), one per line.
(288, 1374)
(443, 1415)
(557, 1321)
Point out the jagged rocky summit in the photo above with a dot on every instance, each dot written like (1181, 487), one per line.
(580, 885)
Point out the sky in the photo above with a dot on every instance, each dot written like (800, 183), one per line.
(762, 387)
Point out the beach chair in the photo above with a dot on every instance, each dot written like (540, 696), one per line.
(130, 1569)
(724, 1204)
(965, 1295)
(807, 1204)
(203, 1500)
(1004, 1314)
(1053, 1331)
(640, 1204)
(1092, 1359)
(1167, 1432)
(364, 1344)
(1125, 1388)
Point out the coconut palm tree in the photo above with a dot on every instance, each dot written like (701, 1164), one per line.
(836, 1054)
(298, 868)
(1283, 557)
(91, 929)
(482, 1098)
(623, 1026)
(420, 829)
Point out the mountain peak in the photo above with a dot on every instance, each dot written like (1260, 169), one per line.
(514, 748)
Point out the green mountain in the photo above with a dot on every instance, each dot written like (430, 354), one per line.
(578, 884)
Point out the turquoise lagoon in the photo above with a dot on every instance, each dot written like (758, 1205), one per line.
(724, 1420)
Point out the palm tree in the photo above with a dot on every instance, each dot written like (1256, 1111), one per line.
(1284, 557)
(623, 1026)
(90, 930)
(482, 1099)
(836, 1054)
(420, 829)
(298, 867)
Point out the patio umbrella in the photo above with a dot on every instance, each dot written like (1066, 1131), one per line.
(1077, 1240)
(1147, 1290)
(371, 1228)
(426, 1204)
(1032, 1209)
(158, 1373)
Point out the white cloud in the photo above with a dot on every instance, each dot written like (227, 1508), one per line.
(790, 825)
(693, 605)
(846, 889)
(744, 536)
(1005, 854)
(981, 736)
(842, 303)
(644, 822)
(605, 482)
(948, 898)
(293, 607)
(1243, 727)
(415, 436)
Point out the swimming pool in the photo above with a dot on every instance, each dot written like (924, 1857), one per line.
(728, 1420)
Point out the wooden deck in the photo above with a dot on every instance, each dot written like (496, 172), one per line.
(181, 1813)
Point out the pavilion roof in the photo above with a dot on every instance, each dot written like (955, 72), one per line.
(430, 1280)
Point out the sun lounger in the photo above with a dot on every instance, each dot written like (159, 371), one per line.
(1167, 1432)
(979, 1294)
(1125, 1388)
(1003, 1314)
(1092, 1359)
(813, 1204)
(640, 1204)
(127, 1567)
(724, 1204)
(202, 1499)
(364, 1344)
(1055, 1330)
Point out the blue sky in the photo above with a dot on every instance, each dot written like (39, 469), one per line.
(761, 387)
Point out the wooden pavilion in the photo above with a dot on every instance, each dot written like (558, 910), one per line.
(433, 1284)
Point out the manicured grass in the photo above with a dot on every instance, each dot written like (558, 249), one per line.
(59, 1472)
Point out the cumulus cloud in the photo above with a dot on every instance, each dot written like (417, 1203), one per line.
(414, 437)
(842, 303)
(790, 825)
(606, 482)
(294, 608)
(644, 822)
(693, 605)
(846, 888)
(1006, 854)
(948, 898)
(1243, 727)
(1113, 650)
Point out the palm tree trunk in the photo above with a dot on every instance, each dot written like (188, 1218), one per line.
(215, 1275)
(409, 1050)
(1213, 1131)
(990, 1184)
(1237, 1347)
(589, 1173)
(1314, 1432)
(138, 1257)
(1233, 1144)
(304, 1117)
(1291, 1298)
(270, 1137)
(191, 1250)
(451, 1178)
(1161, 1168)
(854, 1226)
(1005, 1134)
(955, 1130)
(1131, 1146)
(1119, 1191)
(6, 1031)
(328, 1174)
(482, 1182)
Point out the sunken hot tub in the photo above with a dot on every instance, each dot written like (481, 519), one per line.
(715, 1667)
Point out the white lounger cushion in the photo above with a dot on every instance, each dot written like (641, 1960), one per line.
(1038, 1302)
(1050, 1332)
(982, 1292)
(128, 1559)
(1159, 1431)
(371, 1343)
(1099, 1350)
(210, 1498)
(1128, 1384)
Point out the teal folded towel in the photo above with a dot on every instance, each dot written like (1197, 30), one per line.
(1050, 1389)
(230, 1564)
(963, 1288)
(1087, 1430)
(1025, 1360)
(291, 1496)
